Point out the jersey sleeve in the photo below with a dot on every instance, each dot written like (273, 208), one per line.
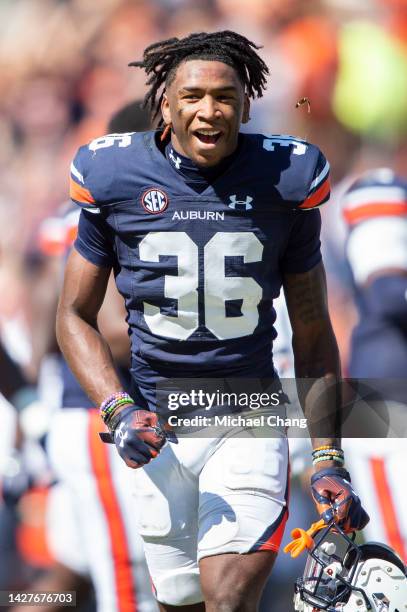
(79, 189)
(303, 250)
(319, 189)
(377, 194)
(94, 240)
(375, 210)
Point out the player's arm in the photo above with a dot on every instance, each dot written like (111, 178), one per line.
(316, 356)
(112, 324)
(317, 369)
(85, 349)
(134, 431)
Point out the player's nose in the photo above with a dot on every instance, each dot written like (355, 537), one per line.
(208, 109)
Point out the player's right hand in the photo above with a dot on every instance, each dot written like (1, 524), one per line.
(138, 436)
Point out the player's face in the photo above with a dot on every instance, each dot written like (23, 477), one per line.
(205, 103)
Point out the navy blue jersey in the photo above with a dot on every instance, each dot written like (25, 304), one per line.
(199, 267)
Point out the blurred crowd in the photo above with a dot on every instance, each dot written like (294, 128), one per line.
(63, 73)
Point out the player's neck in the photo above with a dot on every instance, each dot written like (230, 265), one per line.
(189, 169)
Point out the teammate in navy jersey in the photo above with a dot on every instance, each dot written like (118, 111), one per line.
(375, 210)
(202, 225)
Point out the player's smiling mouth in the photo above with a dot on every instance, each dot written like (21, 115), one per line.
(207, 136)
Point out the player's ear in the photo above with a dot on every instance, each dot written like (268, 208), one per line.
(246, 109)
(165, 110)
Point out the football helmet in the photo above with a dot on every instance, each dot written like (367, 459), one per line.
(341, 576)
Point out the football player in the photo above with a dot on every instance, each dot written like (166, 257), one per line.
(202, 225)
(375, 209)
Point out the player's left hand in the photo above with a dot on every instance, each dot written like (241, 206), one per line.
(335, 499)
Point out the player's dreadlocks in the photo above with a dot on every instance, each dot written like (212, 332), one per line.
(161, 59)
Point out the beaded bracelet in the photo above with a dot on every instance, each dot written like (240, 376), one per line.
(334, 451)
(328, 453)
(336, 458)
(110, 404)
(327, 449)
(324, 455)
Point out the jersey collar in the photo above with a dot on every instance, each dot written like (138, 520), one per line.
(195, 176)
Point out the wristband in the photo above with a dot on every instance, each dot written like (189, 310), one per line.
(328, 453)
(328, 450)
(110, 404)
(335, 458)
(338, 451)
(326, 447)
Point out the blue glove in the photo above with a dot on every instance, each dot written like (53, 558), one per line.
(138, 435)
(335, 499)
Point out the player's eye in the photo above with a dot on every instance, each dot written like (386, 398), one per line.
(225, 98)
(190, 97)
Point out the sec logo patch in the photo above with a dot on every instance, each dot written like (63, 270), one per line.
(154, 201)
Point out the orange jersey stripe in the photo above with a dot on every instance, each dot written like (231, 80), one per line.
(385, 501)
(316, 198)
(79, 193)
(378, 209)
(126, 595)
(274, 542)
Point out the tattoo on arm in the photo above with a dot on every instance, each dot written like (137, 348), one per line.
(316, 354)
(306, 295)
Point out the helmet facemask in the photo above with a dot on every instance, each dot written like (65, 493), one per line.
(341, 576)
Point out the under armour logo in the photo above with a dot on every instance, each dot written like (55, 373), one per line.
(240, 204)
(175, 160)
(120, 434)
